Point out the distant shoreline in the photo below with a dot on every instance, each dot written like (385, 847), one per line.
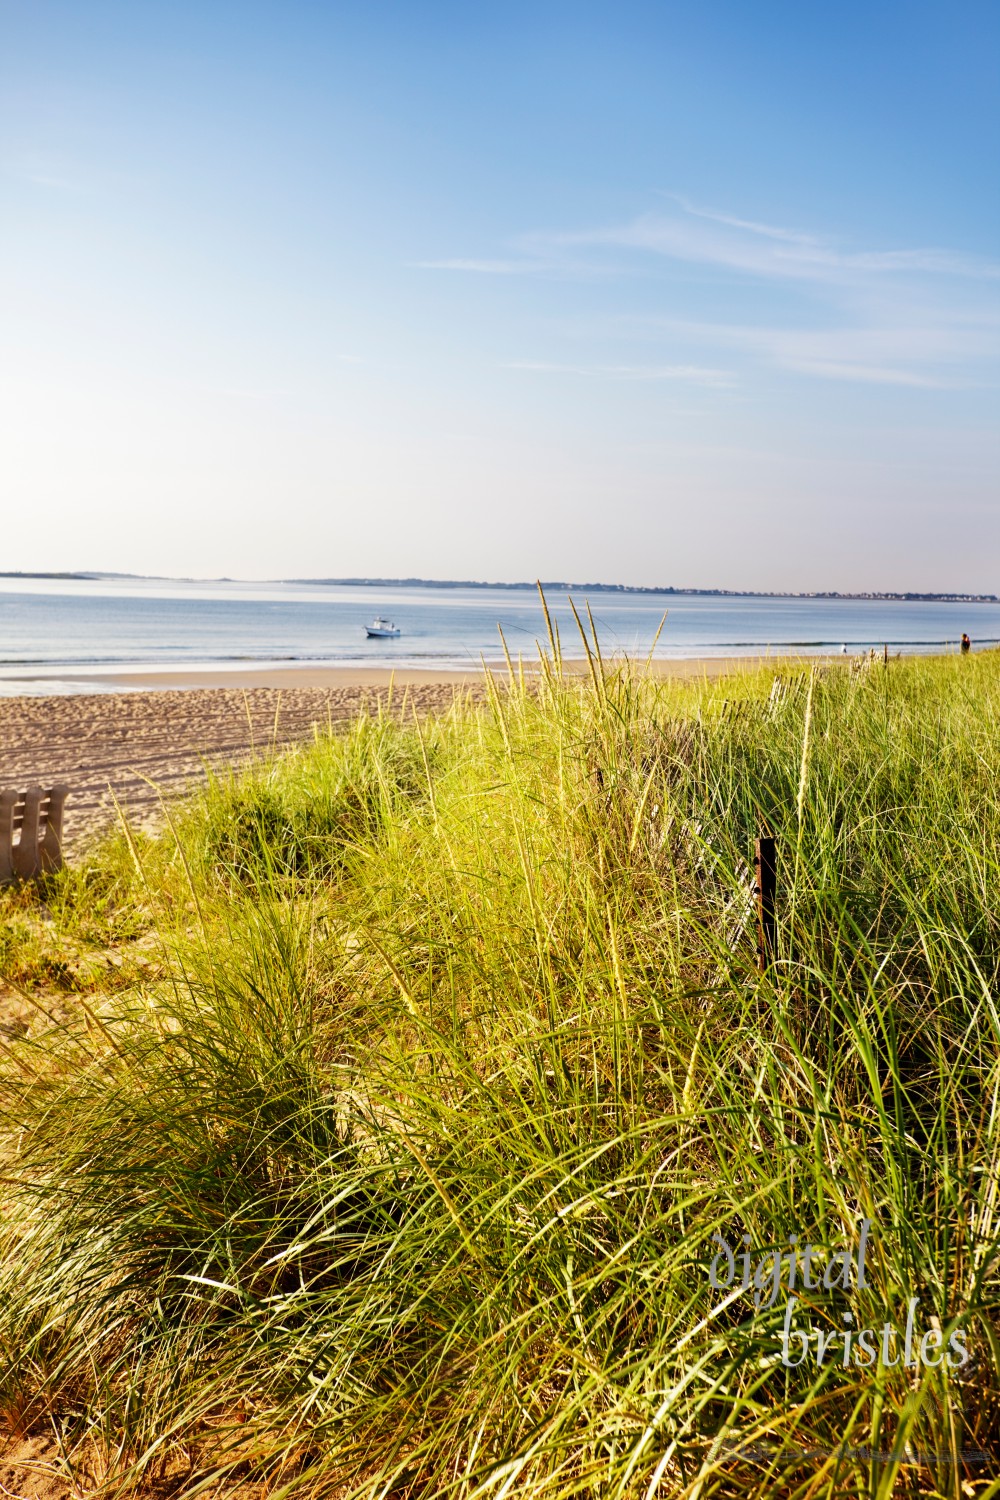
(473, 583)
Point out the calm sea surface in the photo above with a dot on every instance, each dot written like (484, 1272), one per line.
(53, 630)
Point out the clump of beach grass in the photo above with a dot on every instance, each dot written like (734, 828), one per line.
(399, 1173)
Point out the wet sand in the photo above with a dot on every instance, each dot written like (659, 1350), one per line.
(364, 678)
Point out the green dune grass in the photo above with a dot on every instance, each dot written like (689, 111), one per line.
(388, 1158)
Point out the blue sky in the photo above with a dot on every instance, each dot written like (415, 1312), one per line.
(703, 293)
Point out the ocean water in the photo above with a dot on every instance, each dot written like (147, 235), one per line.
(76, 635)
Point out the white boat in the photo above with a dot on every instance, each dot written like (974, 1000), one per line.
(383, 629)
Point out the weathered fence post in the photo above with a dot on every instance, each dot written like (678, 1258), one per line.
(8, 802)
(50, 854)
(25, 852)
(766, 881)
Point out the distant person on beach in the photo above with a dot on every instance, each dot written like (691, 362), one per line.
(966, 644)
(843, 650)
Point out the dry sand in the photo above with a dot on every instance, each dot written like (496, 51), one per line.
(34, 1467)
(136, 747)
(166, 727)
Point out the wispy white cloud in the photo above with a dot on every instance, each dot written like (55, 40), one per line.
(61, 184)
(548, 261)
(943, 355)
(875, 356)
(699, 237)
(834, 369)
(770, 231)
(708, 237)
(482, 267)
(688, 374)
(42, 171)
(920, 317)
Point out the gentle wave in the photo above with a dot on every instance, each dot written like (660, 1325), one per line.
(174, 657)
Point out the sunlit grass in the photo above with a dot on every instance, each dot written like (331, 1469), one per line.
(396, 1170)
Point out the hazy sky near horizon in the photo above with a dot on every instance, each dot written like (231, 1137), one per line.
(704, 293)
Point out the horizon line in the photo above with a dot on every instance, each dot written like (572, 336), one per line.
(953, 596)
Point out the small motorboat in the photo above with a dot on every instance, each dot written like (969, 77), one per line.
(383, 629)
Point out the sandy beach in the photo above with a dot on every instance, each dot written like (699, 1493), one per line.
(159, 732)
(136, 747)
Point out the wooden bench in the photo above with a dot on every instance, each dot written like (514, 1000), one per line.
(31, 832)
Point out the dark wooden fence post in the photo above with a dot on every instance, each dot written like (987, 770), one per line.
(766, 877)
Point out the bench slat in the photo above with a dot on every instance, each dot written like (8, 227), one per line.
(36, 815)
